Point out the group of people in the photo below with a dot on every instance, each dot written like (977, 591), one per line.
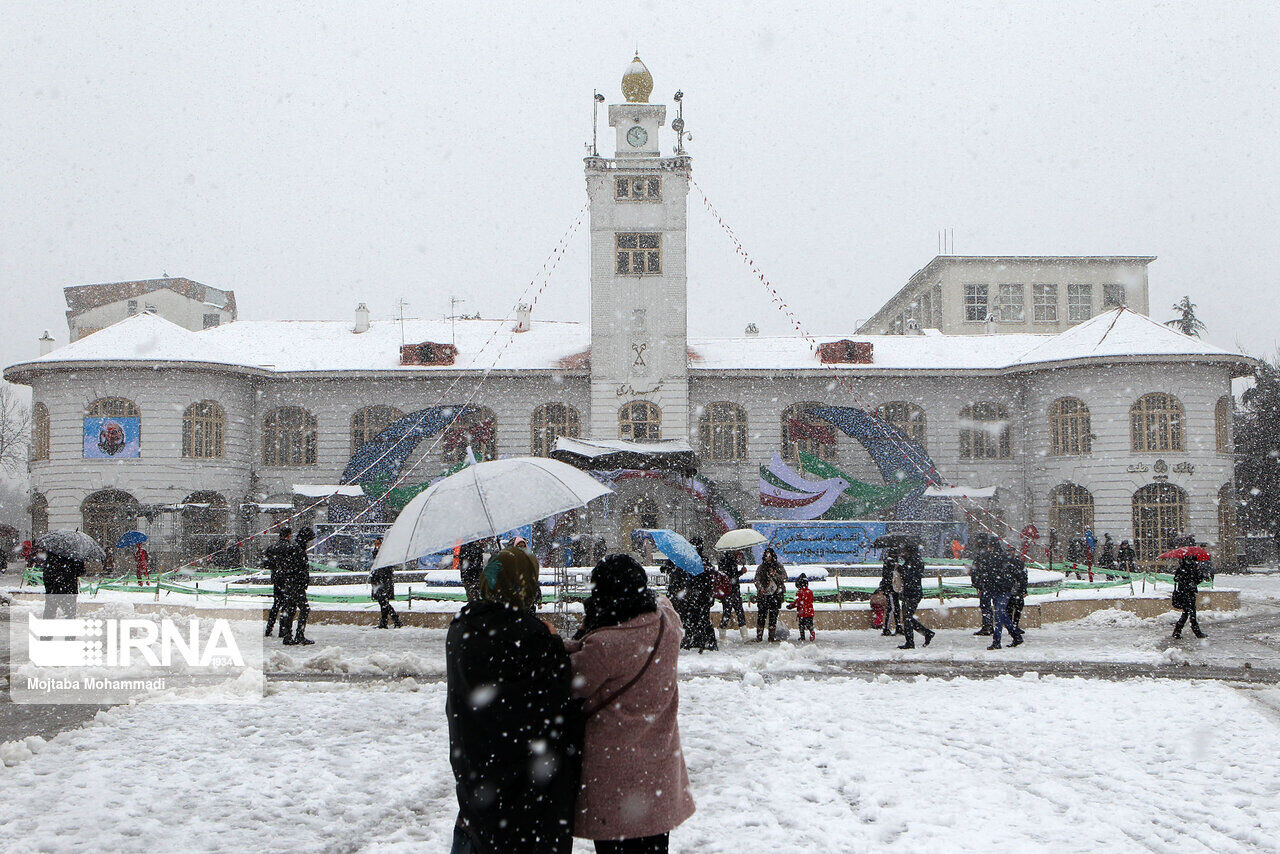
(553, 738)
(1086, 550)
(286, 560)
(694, 595)
(901, 588)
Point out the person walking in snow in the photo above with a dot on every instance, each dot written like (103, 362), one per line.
(911, 567)
(732, 612)
(383, 584)
(470, 563)
(771, 585)
(515, 729)
(698, 631)
(274, 560)
(1126, 558)
(61, 577)
(803, 606)
(140, 562)
(635, 786)
(1003, 583)
(1108, 557)
(893, 600)
(296, 580)
(1186, 581)
(982, 549)
(1018, 598)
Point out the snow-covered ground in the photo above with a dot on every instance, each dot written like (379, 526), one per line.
(1030, 764)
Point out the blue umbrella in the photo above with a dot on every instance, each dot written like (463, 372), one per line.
(130, 538)
(677, 549)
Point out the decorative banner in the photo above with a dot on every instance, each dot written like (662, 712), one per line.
(821, 542)
(112, 438)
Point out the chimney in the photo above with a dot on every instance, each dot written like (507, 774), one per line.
(524, 317)
(362, 319)
(46, 343)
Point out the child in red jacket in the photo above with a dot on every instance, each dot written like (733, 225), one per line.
(803, 606)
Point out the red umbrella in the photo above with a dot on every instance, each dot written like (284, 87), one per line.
(1185, 551)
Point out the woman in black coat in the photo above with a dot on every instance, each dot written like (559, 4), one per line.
(911, 565)
(893, 607)
(515, 731)
(698, 631)
(1186, 578)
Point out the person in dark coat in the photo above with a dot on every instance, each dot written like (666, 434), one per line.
(1108, 559)
(383, 582)
(678, 584)
(732, 568)
(771, 587)
(983, 549)
(275, 560)
(1018, 599)
(1126, 558)
(911, 568)
(296, 580)
(894, 608)
(698, 631)
(61, 576)
(1186, 579)
(515, 730)
(1002, 583)
(470, 563)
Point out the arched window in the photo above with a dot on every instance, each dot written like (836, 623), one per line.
(1069, 427)
(722, 430)
(984, 432)
(367, 423)
(1159, 512)
(1228, 528)
(204, 426)
(475, 428)
(1070, 510)
(289, 437)
(804, 432)
(112, 407)
(39, 432)
(551, 421)
(907, 417)
(107, 514)
(1222, 415)
(39, 515)
(204, 524)
(1155, 423)
(640, 421)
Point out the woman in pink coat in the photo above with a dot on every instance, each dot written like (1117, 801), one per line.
(635, 787)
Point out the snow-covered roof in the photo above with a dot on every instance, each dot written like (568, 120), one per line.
(327, 490)
(331, 346)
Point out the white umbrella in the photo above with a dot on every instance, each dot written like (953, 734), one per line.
(73, 544)
(742, 538)
(485, 500)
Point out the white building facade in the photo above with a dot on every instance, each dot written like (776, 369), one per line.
(1116, 423)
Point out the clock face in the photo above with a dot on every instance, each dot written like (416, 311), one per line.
(637, 136)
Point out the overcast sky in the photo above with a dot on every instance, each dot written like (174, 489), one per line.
(322, 154)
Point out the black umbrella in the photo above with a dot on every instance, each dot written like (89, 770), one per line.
(76, 545)
(893, 540)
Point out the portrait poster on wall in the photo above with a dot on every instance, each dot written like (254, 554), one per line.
(112, 438)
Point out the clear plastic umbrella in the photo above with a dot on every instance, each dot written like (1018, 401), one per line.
(485, 500)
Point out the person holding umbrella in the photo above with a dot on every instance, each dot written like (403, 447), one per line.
(1186, 581)
(141, 560)
(771, 586)
(65, 554)
(732, 612)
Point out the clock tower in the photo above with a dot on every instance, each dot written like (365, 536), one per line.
(639, 353)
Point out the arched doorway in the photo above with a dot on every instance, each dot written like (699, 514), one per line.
(204, 524)
(108, 514)
(1159, 512)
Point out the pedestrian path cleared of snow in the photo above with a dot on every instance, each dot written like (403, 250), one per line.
(1003, 765)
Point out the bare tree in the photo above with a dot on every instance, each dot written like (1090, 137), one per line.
(15, 431)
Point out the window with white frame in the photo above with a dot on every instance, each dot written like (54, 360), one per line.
(975, 303)
(1044, 303)
(1113, 296)
(1009, 306)
(1079, 303)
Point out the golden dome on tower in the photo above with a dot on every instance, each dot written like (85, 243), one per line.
(637, 83)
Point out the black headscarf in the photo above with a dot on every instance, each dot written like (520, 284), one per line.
(619, 592)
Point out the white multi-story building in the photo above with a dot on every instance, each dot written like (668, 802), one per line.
(1116, 423)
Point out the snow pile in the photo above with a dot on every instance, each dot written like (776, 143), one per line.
(13, 752)
(1113, 618)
